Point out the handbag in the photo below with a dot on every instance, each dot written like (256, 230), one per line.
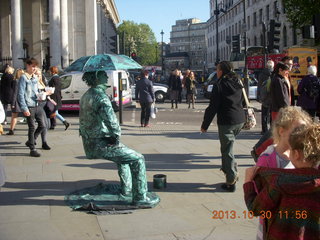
(251, 121)
(50, 108)
(153, 111)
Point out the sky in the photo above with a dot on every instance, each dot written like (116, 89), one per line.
(162, 14)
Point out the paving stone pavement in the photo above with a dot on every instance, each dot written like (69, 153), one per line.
(32, 200)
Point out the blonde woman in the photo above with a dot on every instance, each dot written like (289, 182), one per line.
(191, 88)
(15, 108)
(42, 103)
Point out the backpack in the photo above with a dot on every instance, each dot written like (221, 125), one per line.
(313, 89)
(265, 95)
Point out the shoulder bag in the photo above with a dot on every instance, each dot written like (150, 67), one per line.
(251, 121)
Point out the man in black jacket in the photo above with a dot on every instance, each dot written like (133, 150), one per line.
(145, 95)
(226, 101)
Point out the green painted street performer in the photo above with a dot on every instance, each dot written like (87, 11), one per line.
(100, 132)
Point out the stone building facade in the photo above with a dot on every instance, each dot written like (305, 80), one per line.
(55, 32)
(188, 36)
(231, 22)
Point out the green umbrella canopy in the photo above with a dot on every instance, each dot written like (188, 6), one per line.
(103, 62)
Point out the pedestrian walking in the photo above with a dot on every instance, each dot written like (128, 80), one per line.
(309, 90)
(56, 97)
(42, 102)
(15, 107)
(6, 90)
(28, 101)
(175, 87)
(145, 95)
(191, 88)
(184, 88)
(282, 95)
(280, 89)
(227, 103)
(264, 95)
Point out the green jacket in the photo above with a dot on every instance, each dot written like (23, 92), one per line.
(97, 118)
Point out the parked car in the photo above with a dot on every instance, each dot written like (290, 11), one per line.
(73, 87)
(160, 91)
(253, 84)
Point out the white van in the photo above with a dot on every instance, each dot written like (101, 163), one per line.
(73, 87)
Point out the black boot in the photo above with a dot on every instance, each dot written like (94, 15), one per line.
(52, 123)
(45, 146)
(34, 153)
(11, 132)
(66, 124)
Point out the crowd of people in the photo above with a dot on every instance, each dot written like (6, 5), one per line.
(178, 83)
(286, 178)
(29, 94)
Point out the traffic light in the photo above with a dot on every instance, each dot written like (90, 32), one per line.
(114, 44)
(236, 43)
(134, 56)
(274, 35)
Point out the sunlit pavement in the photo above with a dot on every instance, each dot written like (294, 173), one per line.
(192, 206)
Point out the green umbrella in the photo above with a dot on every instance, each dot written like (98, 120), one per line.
(103, 62)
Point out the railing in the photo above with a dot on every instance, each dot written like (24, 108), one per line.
(4, 61)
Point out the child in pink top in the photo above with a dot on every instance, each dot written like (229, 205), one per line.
(277, 155)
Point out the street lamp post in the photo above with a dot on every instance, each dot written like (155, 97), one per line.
(162, 65)
(245, 72)
(216, 12)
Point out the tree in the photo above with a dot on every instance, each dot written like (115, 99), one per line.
(140, 39)
(301, 12)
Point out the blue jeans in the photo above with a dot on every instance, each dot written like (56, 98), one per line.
(227, 136)
(59, 116)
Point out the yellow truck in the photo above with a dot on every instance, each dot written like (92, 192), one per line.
(302, 57)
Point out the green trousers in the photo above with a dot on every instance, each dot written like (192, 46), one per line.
(131, 164)
(227, 136)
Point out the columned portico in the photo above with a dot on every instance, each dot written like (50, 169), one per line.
(16, 29)
(55, 35)
(91, 27)
(5, 29)
(64, 34)
(55, 32)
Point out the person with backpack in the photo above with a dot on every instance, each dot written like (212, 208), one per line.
(281, 91)
(264, 96)
(309, 90)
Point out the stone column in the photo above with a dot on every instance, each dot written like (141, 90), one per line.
(71, 26)
(5, 29)
(16, 29)
(64, 34)
(91, 27)
(99, 35)
(36, 44)
(55, 35)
